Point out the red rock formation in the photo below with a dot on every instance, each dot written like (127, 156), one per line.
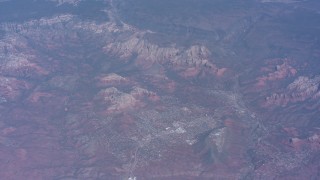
(111, 79)
(12, 89)
(125, 42)
(280, 72)
(118, 101)
(188, 61)
(20, 67)
(300, 89)
(141, 93)
(18, 59)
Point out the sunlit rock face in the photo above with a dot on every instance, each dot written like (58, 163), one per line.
(118, 101)
(300, 89)
(195, 55)
(275, 72)
(148, 89)
(195, 58)
(305, 87)
(111, 80)
(19, 60)
(12, 88)
(123, 41)
(61, 2)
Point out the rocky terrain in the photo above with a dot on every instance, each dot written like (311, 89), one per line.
(276, 72)
(196, 90)
(61, 2)
(299, 90)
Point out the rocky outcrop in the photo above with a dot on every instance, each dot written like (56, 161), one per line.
(280, 72)
(195, 55)
(118, 101)
(301, 89)
(111, 79)
(18, 59)
(37, 25)
(11, 89)
(61, 2)
(142, 93)
(194, 58)
(120, 40)
(20, 66)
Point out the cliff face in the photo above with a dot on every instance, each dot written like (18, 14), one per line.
(275, 73)
(37, 49)
(301, 89)
(120, 40)
(118, 101)
(149, 52)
